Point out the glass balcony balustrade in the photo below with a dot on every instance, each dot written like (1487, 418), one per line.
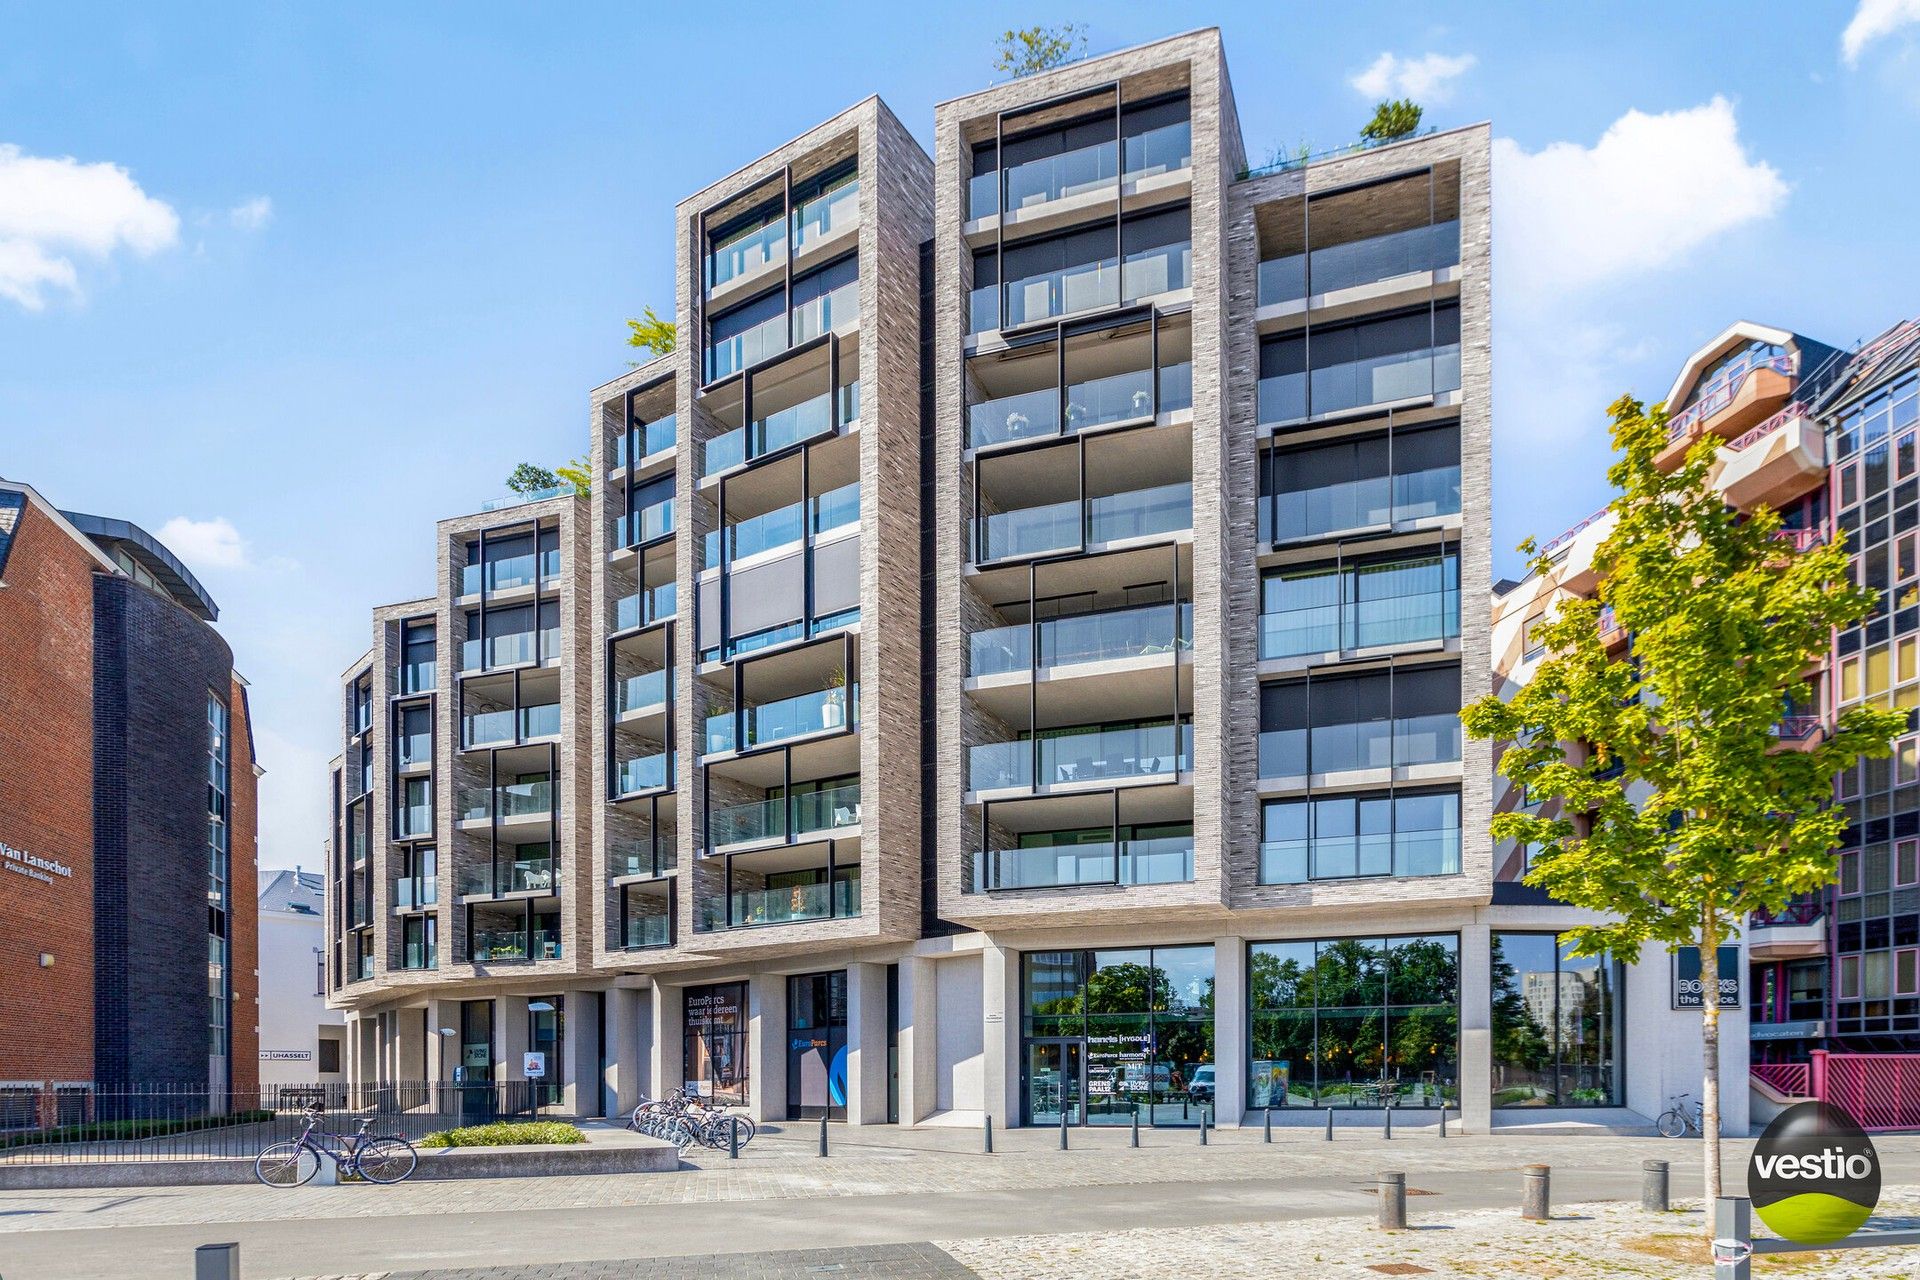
(655, 520)
(833, 210)
(1095, 402)
(781, 429)
(644, 607)
(795, 903)
(1022, 416)
(410, 892)
(763, 341)
(644, 773)
(832, 809)
(1093, 756)
(642, 691)
(526, 873)
(1356, 384)
(1028, 531)
(1398, 604)
(413, 749)
(1055, 177)
(487, 728)
(413, 820)
(746, 251)
(1164, 860)
(417, 677)
(541, 720)
(784, 526)
(647, 926)
(1166, 149)
(1358, 262)
(1362, 503)
(1374, 744)
(1062, 291)
(657, 436)
(1433, 852)
(657, 856)
(1152, 272)
(1107, 636)
(839, 309)
(514, 800)
(492, 945)
(1143, 513)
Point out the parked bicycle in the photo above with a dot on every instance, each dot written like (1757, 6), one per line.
(684, 1119)
(376, 1158)
(1681, 1120)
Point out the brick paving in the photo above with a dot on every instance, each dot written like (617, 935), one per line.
(905, 1261)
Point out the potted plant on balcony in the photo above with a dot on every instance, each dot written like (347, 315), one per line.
(833, 711)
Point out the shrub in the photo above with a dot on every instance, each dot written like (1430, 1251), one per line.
(507, 1133)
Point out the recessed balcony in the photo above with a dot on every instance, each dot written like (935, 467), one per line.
(510, 874)
(1362, 367)
(805, 816)
(1041, 193)
(650, 445)
(516, 810)
(645, 606)
(1349, 279)
(1079, 757)
(1744, 391)
(642, 774)
(781, 885)
(647, 857)
(1325, 613)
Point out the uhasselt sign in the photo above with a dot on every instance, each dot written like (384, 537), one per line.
(32, 865)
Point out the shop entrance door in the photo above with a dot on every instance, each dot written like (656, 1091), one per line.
(1056, 1080)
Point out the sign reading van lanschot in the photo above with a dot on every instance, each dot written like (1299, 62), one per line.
(32, 865)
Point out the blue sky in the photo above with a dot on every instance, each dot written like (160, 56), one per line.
(291, 282)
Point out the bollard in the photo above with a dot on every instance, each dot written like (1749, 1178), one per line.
(733, 1140)
(216, 1262)
(1653, 1185)
(1329, 1124)
(1203, 1128)
(1535, 1201)
(1393, 1200)
(1732, 1238)
(1443, 1122)
(1136, 1126)
(989, 1147)
(1063, 1126)
(823, 1136)
(1266, 1124)
(1388, 1133)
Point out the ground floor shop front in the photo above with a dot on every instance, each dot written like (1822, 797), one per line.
(1486, 1013)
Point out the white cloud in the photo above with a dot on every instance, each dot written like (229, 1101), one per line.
(1427, 78)
(252, 214)
(1654, 188)
(53, 210)
(206, 544)
(1875, 20)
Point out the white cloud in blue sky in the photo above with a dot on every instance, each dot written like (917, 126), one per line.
(1426, 79)
(1875, 20)
(252, 214)
(206, 544)
(54, 210)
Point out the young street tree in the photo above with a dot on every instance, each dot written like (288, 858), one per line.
(1709, 817)
(1038, 48)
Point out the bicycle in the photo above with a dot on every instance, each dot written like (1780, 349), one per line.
(684, 1119)
(294, 1161)
(1680, 1120)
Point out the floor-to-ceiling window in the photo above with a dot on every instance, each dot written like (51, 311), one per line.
(547, 1036)
(817, 1045)
(714, 1054)
(1556, 1023)
(1354, 1022)
(1111, 1032)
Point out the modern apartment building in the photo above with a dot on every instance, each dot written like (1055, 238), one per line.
(127, 824)
(1009, 660)
(1825, 437)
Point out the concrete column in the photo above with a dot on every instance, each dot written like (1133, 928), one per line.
(767, 1046)
(867, 1044)
(441, 1050)
(410, 1047)
(510, 1034)
(1476, 1033)
(665, 1047)
(1229, 1030)
(622, 1085)
(580, 1051)
(919, 1041)
(1000, 1039)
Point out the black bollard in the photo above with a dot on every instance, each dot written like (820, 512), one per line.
(1063, 1126)
(1443, 1122)
(1329, 1124)
(733, 1140)
(1266, 1124)
(1653, 1185)
(1136, 1125)
(1203, 1128)
(1388, 1133)
(823, 1135)
(989, 1134)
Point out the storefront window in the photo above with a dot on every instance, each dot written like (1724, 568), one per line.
(1354, 1022)
(1556, 1024)
(714, 1058)
(817, 1046)
(1109, 1033)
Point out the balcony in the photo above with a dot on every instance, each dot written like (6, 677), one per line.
(1378, 606)
(1164, 860)
(646, 917)
(1085, 174)
(809, 815)
(649, 439)
(1363, 383)
(781, 429)
(767, 724)
(1384, 501)
(1797, 931)
(506, 726)
(512, 649)
(1418, 252)
(1612, 634)
(783, 527)
(641, 774)
(511, 573)
(1740, 395)
(1113, 635)
(490, 946)
(648, 524)
(1070, 758)
(412, 893)
(1062, 526)
(645, 607)
(411, 821)
(415, 677)
(641, 694)
(826, 216)
(837, 898)
(1799, 731)
(746, 253)
(1398, 743)
(645, 858)
(413, 751)
(1775, 462)
(513, 803)
(533, 875)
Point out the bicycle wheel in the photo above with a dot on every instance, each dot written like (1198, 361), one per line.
(1672, 1124)
(681, 1133)
(720, 1126)
(286, 1164)
(385, 1160)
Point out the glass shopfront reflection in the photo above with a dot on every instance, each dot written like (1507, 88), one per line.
(714, 1050)
(1556, 1022)
(1111, 1033)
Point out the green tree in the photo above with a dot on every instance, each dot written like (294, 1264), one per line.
(1039, 48)
(653, 333)
(1726, 620)
(577, 472)
(1393, 118)
(527, 478)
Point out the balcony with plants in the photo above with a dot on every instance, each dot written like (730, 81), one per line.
(777, 886)
(512, 933)
(782, 697)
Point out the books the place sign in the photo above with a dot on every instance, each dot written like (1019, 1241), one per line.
(32, 865)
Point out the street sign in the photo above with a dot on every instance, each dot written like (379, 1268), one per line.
(533, 1065)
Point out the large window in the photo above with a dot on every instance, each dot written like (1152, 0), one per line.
(1398, 833)
(1354, 366)
(714, 1043)
(219, 981)
(1364, 483)
(1396, 718)
(1556, 1024)
(1109, 1033)
(1354, 1022)
(1374, 604)
(817, 1045)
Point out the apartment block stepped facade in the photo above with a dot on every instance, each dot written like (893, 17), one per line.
(1008, 663)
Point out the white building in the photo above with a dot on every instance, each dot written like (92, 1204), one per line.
(300, 1038)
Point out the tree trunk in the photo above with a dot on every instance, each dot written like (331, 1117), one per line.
(1710, 1054)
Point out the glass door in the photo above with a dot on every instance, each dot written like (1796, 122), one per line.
(1055, 1070)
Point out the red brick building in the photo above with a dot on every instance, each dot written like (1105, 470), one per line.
(127, 819)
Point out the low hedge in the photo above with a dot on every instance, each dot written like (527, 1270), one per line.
(508, 1133)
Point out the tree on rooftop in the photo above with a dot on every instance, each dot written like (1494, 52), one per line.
(1726, 620)
(1039, 48)
(527, 478)
(1393, 118)
(652, 333)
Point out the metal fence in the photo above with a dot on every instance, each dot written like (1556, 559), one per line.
(61, 1122)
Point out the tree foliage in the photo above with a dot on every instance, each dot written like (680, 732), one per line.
(653, 333)
(577, 472)
(1039, 48)
(527, 478)
(1393, 118)
(1694, 815)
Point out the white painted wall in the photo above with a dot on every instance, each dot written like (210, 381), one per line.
(293, 1014)
(960, 1060)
